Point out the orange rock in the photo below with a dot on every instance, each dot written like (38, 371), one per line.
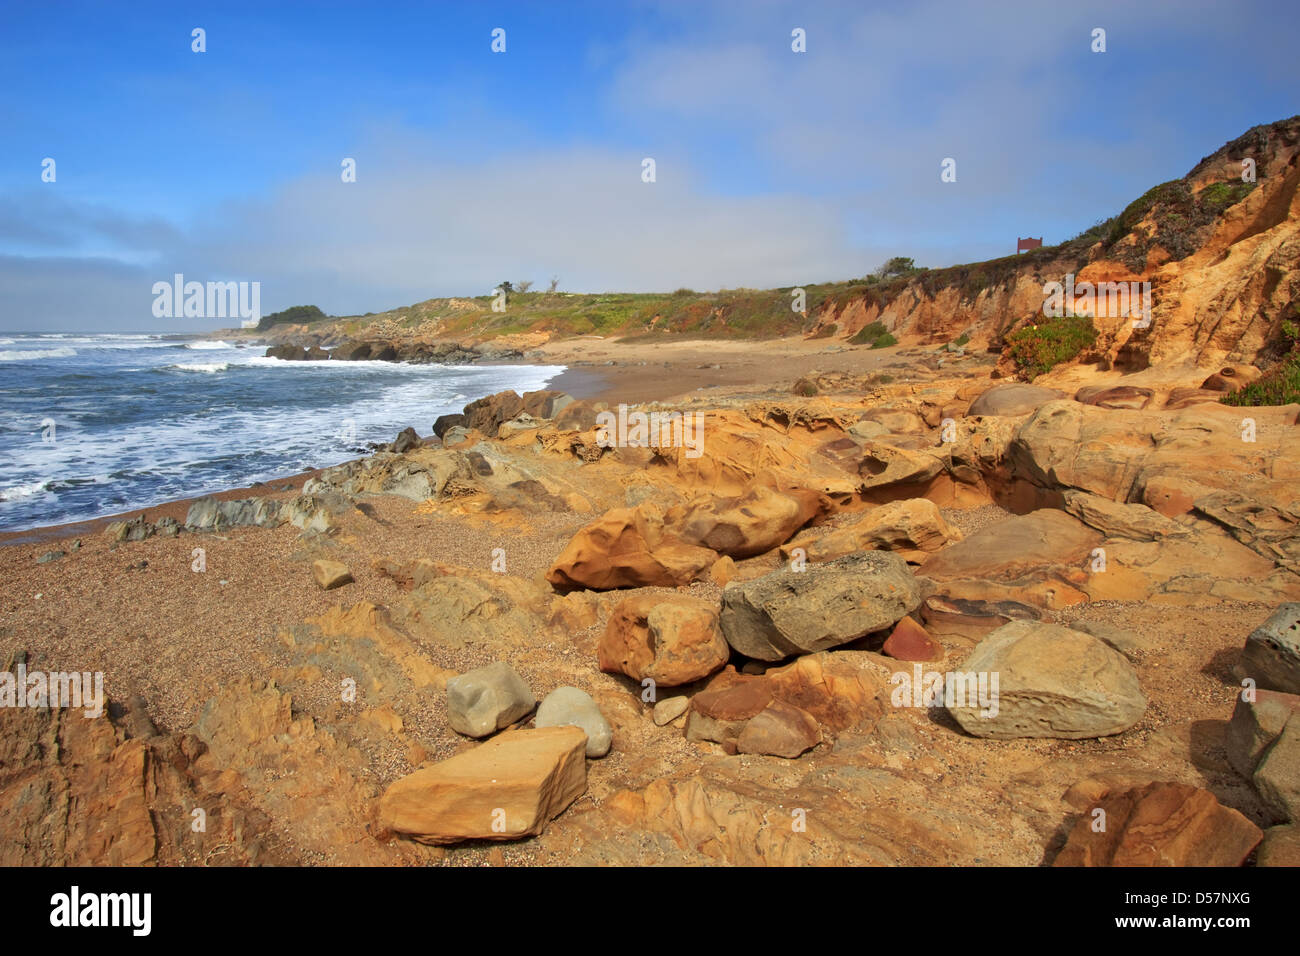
(628, 547)
(505, 789)
(672, 639)
(909, 642)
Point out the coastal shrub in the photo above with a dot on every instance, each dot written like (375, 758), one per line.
(805, 388)
(868, 334)
(961, 340)
(295, 314)
(1278, 386)
(884, 342)
(1037, 348)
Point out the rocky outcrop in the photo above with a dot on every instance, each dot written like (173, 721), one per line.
(672, 640)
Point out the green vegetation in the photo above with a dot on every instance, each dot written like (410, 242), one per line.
(1037, 348)
(884, 342)
(961, 340)
(297, 313)
(870, 334)
(1280, 385)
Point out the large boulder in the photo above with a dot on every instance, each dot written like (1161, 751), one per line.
(1013, 398)
(486, 414)
(287, 353)
(671, 639)
(1161, 824)
(1020, 547)
(506, 789)
(443, 423)
(798, 612)
(546, 403)
(1272, 652)
(1256, 722)
(1277, 778)
(913, 526)
(1051, 682)
(482, 701)
(628, 548)
(209, 514)
(748, 525)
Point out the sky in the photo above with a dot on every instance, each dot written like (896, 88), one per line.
(771, 167)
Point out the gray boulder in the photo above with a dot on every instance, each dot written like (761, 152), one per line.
(1272, 652)
(209, 514)
(792, 612)
(569, 705)
(482, 701)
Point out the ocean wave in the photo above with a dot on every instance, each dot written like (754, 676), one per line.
(22, 491)
(208, 367)
(207, 344)
(30, 355)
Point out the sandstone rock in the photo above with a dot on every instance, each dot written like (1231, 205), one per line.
(672, 639)
(1052, 682)
(443, 423)
(909, 642)
(1013, 398)
(1172, 495)
(972, 620)
(482, 701)
(508, 788)
(1116, 520)
(134, 529)
(1180, 398)
(315, 513)
(1280, 847)
(520, 423)
(913, 527)
(884, 465)
(779, 730)
(209, 514)
(287, 353)
(455, 435)
(746, 526)
(720, 714)
(351, 352)
(669, 709)
(405, 441)
(796, 612)
(1126, 642)
(867, 429)
(628, 547)
(1272, 652)
(1021, 546)
(1162, 824)
(1116, 396)
(569, 706)
(330, 574)
(486, 414)
(1255, 725)
(546, 403)
(1277, 778)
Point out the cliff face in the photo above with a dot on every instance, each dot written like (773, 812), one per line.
(1223, 271)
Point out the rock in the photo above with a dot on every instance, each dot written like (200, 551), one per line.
(455, 435)
(314, 513)
(972, 620)
(482, 701)
(1019, 547)
(49, 556)
(567, 706)
(1255, 725)
(168, 527)
(909, 642)
(867, 429)
(885, 465)
(579, 415)
(797, 612)
(779, 730)
(316, 354)
(914, 527)
(330, 574)
(674, 640)
(351, 352)
(669, 709)
(505, 789)
(486, 414)
(1052, 682)
(1231, 378)
(1116, 520)
(209, 514)
(1179, 398)
(1161, 824)
(444, 422)
(406, 440)
(1281, 846)
(628, 547)
(1126, 642)
(1117, 396)
(287, 353)
(134, 529)
(805, 387)
(1013, 398)
(1172, 495)
(1277, 778)
(522, 422)
(721, 713)
(1272, 652)
(546, 403)
(749, 525)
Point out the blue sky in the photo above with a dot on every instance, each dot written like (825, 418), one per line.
(773, 167)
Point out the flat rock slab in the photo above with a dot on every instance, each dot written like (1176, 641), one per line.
(1162, 824)
(506, 789)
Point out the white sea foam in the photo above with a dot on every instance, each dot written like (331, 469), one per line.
(207, 345)
(22, 491)
(202, 367)
(35, 355)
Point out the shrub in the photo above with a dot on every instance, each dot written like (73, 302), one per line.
(1037, 348)
(805, 388)
(1279, 386)
(868, 334)
(962, 339)
(884, 342)
(296, 313)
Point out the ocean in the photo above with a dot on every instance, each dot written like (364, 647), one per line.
(93, 425)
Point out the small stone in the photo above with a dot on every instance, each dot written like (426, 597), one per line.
(482, 701)
(49, 556)
(780, 730)
(910, 642)
(569, 706)
(669, 709)
(330, 574)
